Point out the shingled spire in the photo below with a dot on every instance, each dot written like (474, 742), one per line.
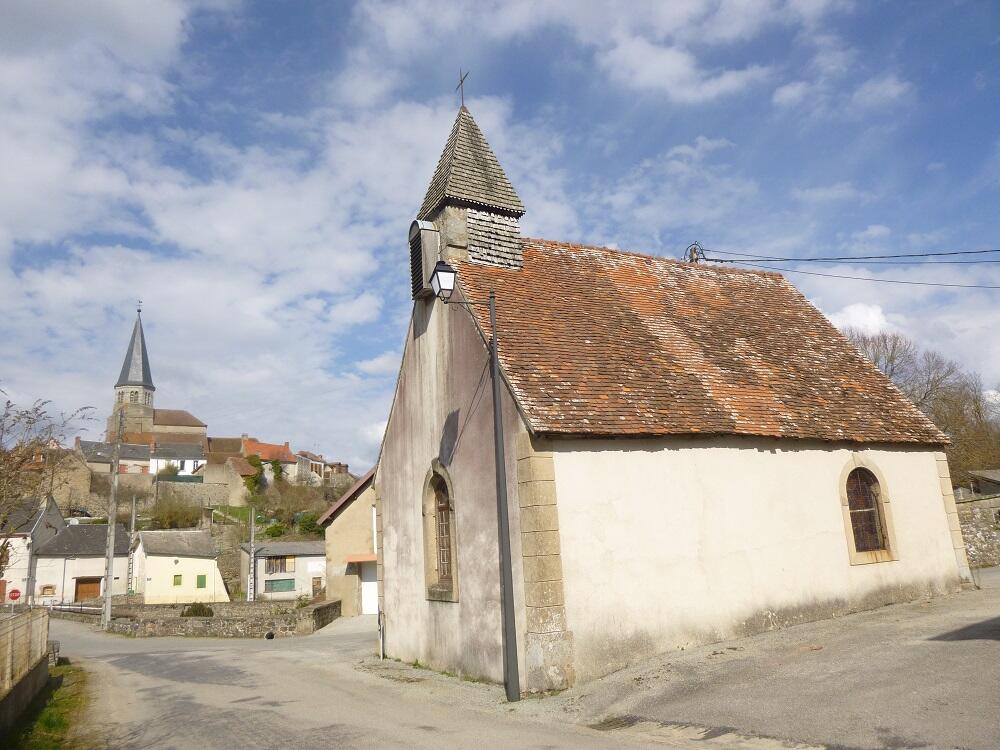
(471, 202)
(468, 173)
(135, 368)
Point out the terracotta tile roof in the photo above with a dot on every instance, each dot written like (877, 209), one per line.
(600, 342)
(268, 451)
(241, 466)
(176, 418)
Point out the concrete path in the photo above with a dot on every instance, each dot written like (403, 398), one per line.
(910, 676)
(925, 674)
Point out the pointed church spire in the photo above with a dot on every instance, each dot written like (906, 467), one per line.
(135, 369)
(468, 173)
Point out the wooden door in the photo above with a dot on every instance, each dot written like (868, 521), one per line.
(3, 591)
(87, 588)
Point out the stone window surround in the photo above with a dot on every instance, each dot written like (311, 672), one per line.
(437, 590)
(858, 461)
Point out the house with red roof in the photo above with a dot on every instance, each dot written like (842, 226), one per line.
(691, 453)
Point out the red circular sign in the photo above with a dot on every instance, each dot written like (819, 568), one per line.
(14, 594)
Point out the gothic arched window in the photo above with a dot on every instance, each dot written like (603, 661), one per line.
(133, 397)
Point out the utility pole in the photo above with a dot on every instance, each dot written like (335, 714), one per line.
(131, 547)
(109, 561)
(252, 572)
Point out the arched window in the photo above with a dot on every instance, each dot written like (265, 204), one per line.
(863, 495)
(133, 397)
(121, 397)
(440, 536)
(442, 512)
(149, 398)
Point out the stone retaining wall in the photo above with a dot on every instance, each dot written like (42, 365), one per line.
(980, 520)
(231, 620)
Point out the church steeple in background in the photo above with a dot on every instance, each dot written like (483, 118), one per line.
(134, 388)
(135, 368)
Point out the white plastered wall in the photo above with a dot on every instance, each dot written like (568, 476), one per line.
(62, 572)
(667, 543)
(156, 576)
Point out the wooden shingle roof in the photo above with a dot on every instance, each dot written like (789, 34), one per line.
(600, 342)
(468, 172)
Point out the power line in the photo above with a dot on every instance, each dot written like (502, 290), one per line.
(772, 258)
(865, 278)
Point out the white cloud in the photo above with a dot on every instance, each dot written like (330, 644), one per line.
(636, 63)
(867, 318)
(872, 232)
(838, 191)
(790, 94)
(386, 363)
(881, 91)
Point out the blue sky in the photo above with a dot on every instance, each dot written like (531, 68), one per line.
(250, 170)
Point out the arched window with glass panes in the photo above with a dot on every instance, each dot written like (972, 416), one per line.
(863, 500)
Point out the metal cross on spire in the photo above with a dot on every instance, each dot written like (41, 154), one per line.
(461, 84)
(138, 306)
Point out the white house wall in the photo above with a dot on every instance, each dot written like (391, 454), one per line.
(62, 573)
(667, 543)
(306, 568)
(155, 577)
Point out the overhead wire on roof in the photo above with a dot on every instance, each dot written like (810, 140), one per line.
(865, 278)
(826, 259)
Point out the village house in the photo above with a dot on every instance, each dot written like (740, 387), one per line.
(351, 562)
(176, 566)
(25, 527)
(285, 570)
(692, 452)
(183, 458)
(133, 458)
(70, 566)
(270, 453)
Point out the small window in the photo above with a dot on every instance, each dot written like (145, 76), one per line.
(48, 590)
(276, 585)
(121, 397)
(149, 398)
(279, 565)
(177, 580)
(133, 397)
(863, 500)
(202, 581)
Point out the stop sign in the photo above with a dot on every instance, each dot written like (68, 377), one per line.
(14, 594)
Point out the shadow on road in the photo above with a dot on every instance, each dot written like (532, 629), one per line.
(987, 630)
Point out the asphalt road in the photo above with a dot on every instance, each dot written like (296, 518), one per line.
(299, 693)
(915, 675)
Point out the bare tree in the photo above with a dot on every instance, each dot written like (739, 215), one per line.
(893, 353)
(28, 438)
(951, 397)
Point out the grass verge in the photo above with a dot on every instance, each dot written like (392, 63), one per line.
(48, 722)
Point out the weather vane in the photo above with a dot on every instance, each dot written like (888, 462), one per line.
(461, 84)
(138, 306)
